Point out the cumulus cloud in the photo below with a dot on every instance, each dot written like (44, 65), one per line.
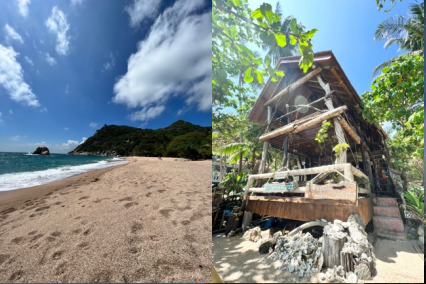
(11, 34)
(76, 2)
(93, 124)
(66, 128)
(12, 78)
(23, 7)
(50, 59)
(146, 113)
(83, 140)
(109, 64)
(29, 61)
(140, 10)
(70, 144)
(15, 138)
(43, 110)
(174, 60)
(57, 24)
(10, 111)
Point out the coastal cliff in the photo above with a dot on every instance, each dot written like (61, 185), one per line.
(180, 139)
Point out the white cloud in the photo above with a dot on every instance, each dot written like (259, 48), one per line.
(66, 128)
(174, 60)
(15, 138)
(67, 89)
(11, 34)
(140, 10)
(11, 78)
(0, 117)
(10, 111)
(76, 2)
(109, 64)
(43, 110)
(29, 61)
(23, 7)
(147, 113)
(50, 59)
(83, 140)
(93, 124)
(70, 144)
(57, 24)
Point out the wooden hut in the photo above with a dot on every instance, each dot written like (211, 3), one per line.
(293, 110)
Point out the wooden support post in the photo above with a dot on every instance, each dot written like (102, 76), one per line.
(293, 86)
(265, 144)
(339, 133)
(248, 216)
(331, 248)
(285, 155)
(367, 166)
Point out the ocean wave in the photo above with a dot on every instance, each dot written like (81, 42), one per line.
(29, 179)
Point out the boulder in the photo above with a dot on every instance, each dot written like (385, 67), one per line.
(41, 151)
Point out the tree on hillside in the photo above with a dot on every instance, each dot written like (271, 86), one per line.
(397, 97)
(405, 32)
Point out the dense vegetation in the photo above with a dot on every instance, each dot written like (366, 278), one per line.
(181, 139)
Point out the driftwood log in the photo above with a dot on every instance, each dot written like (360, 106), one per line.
(307, 225)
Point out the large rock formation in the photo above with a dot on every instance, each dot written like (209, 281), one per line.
(41, 151)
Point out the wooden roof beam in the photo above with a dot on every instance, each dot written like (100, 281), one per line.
(294, 128)
(293, 86)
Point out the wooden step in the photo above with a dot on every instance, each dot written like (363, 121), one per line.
(386, 211)
(392, 224)
(385, 201)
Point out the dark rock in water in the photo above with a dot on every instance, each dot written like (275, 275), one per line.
(41, 151)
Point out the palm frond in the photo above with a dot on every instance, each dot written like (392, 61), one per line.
(232, 148)
(391, 27)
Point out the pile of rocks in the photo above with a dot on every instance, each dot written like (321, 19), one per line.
(303, 254)
(299, 253)
(253, 235)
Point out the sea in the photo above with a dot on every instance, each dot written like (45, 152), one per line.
(21, 170)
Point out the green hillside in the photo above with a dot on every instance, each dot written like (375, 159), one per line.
(181, 139)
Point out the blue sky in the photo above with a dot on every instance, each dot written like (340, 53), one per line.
(69, 67)
(347, 28)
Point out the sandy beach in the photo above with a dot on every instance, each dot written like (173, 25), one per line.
(146, 221)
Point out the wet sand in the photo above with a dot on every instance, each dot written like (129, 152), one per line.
(146, 221)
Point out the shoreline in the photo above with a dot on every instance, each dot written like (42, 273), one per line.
(16, 197)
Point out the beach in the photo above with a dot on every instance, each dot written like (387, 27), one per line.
(145, 221)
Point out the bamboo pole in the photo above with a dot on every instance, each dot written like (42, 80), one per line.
(293, 86)
(294, 128)
(349, 129)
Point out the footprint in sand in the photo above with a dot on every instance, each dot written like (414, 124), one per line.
(42, 208)
(36, 237)
(4, 257)
(148, 194)
(17, 240)
(136, 227)
(165, 212)
(16, 275)
(83, 245)
(57, 255)
(7, 211)
(55, 234)
(84, 197)
(32, 233)
(130, 204)
(185, 222)
(161, 190)
(128, 198)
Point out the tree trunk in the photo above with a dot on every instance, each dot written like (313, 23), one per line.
(331, 248)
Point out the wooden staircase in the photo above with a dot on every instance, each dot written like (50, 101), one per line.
(387, 218)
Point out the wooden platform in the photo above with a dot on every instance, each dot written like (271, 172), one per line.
(305, 209)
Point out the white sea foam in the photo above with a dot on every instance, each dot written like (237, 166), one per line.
(28, 179)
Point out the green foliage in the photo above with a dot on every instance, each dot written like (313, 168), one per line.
(339, 148)
(125, 140)
(380, 4)
(415, 203)
(234, 183)
(397, 97)
(322, 133)
(405, 32)
(234, 28)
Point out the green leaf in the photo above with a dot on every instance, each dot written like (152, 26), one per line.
(293, 26)
(281, 40)
(257, 61)
(256, 14)
(236, 3)
(310, 34)
(248, 77)
(243, 48)
(279, 73)
(266, 10)
(267, 60)
(259, 76)
(293, 40)
(233, 32)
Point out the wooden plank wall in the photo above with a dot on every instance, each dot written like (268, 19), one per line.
(304, 209)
